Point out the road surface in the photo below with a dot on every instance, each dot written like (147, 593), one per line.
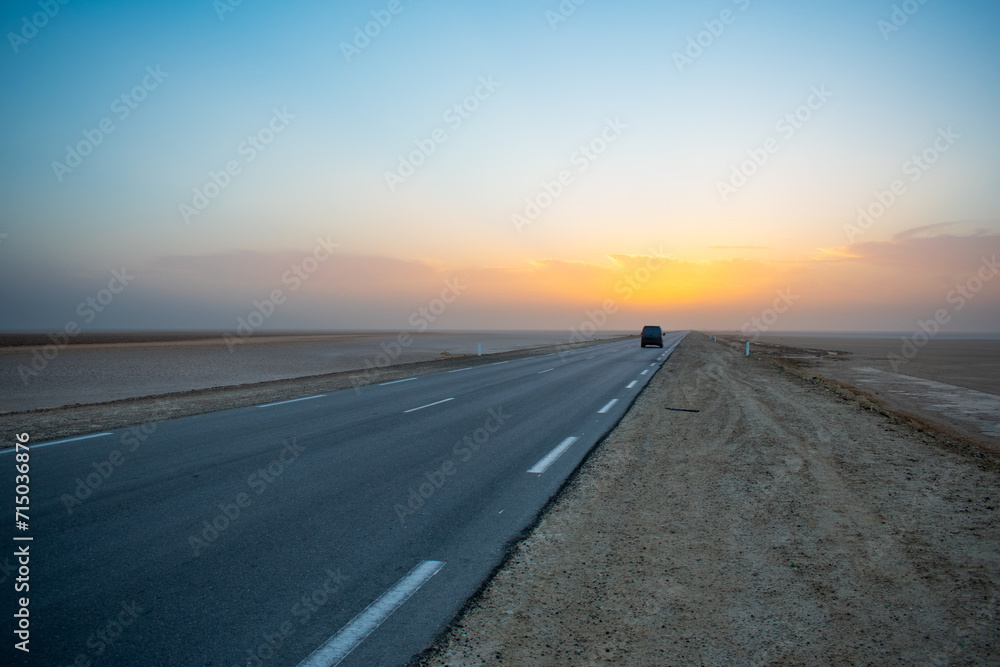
(348, 527)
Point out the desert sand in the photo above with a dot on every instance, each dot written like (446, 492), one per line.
(953, 383)
(97, 368)
(969, 363)
(745, 511)
(740, 514)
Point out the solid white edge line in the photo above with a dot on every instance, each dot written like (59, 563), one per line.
(608, 406)
(294, 400)
(631, 384)
(459, 370)
(428, 405)
(497, 363)
(550, 458)
(59, 442)
(382, 384)
(340, 645)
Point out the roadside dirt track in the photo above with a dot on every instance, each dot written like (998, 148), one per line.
(781, 524)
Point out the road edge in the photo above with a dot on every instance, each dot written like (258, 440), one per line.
(85, 418)
(510, 547)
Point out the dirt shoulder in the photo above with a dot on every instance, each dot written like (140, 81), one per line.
(961, 414)
(781, 523)
(74, 420)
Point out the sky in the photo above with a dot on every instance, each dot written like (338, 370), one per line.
(793, 166)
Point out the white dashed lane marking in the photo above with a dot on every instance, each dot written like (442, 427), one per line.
(428, 405)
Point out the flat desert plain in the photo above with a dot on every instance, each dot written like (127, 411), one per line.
(96, 368)
(741, 514)
(953, 382)
(965, 362)
(745, 510)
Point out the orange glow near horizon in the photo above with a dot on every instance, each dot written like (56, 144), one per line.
(840, 288)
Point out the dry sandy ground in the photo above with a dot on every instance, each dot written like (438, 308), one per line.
(970, 363)
(777, 523)
(96, 368)
(953, 383)
(72, 420)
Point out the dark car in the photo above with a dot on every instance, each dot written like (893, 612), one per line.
(651, 335)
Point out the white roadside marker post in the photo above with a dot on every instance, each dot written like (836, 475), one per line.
(480, 353)
(748, 348)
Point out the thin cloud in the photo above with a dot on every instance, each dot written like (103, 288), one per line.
(954, 228)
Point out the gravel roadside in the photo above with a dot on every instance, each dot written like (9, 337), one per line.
(739, 515)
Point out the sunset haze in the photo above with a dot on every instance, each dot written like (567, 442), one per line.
(686, 164)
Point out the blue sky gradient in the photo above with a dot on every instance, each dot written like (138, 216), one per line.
(558, 86)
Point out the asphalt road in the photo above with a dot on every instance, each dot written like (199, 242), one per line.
(350, 526)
